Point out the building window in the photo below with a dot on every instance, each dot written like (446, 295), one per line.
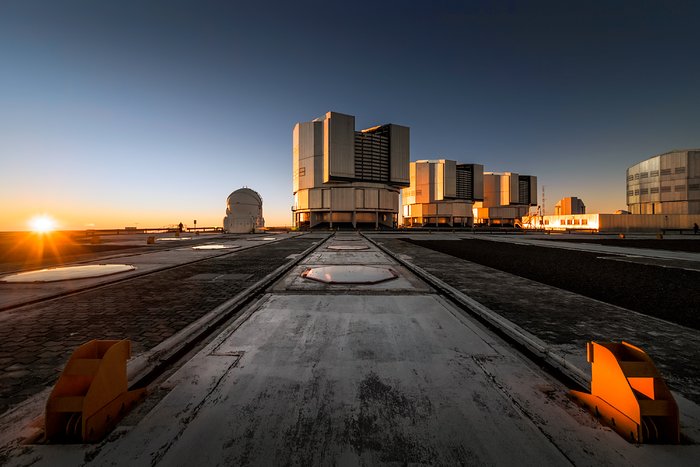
(665, 189)
(644, 191)
(630, 178)
(679, 188)
(584, 221)
(644, 175)
(630, 192)
(665, 171)
(694, 187)
(636, 176)
(636, 192)
(654, 189)
(302, 171)
(680, 170)
(654, 173)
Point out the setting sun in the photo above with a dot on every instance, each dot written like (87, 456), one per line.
(42, 224)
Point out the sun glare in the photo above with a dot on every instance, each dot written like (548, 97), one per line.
(42, 224)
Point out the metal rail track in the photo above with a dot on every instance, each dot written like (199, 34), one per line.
(118, 280)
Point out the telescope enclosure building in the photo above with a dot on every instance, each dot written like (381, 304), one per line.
(347, 178)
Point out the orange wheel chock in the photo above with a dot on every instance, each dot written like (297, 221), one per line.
(629, 394)
(91, 394)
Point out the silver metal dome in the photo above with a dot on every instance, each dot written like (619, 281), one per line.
(243, 211)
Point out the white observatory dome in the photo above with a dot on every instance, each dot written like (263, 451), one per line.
(243, 211)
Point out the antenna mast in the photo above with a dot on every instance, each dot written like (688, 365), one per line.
(543, 211)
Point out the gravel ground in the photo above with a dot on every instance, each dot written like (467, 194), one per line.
(36, 340)
(666, 293)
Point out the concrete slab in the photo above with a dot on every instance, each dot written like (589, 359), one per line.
(311, 380)
(347, 257)
(360, 378)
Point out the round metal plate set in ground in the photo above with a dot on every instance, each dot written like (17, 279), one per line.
(348, 247)
(68, 272)
(349, 274)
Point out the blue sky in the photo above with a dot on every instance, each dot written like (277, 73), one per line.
(150, 113)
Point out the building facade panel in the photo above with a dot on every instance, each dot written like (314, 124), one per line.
(400, 154)
(371, 198)
(315, 198)
(664, 184)
(343, 199)
(470, 182)
(338, 147)
(492, 190)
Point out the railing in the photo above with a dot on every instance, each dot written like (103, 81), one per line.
(148, 230)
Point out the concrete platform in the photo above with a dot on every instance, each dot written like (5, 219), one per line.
(565, 321)
(357, 377)
(360, 380)
(37, 339)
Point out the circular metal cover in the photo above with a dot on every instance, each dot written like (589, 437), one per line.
(348, 247)
(349, 274)
(214, 247)
(68, 272)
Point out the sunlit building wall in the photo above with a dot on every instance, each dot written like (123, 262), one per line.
(243, 211)
(347, 177)
(617, 223)
(668, 183)
(569, 205)
(507, 197)
(441, 192)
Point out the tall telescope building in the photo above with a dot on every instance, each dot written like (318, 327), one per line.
(343, 177)
(442, 192)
